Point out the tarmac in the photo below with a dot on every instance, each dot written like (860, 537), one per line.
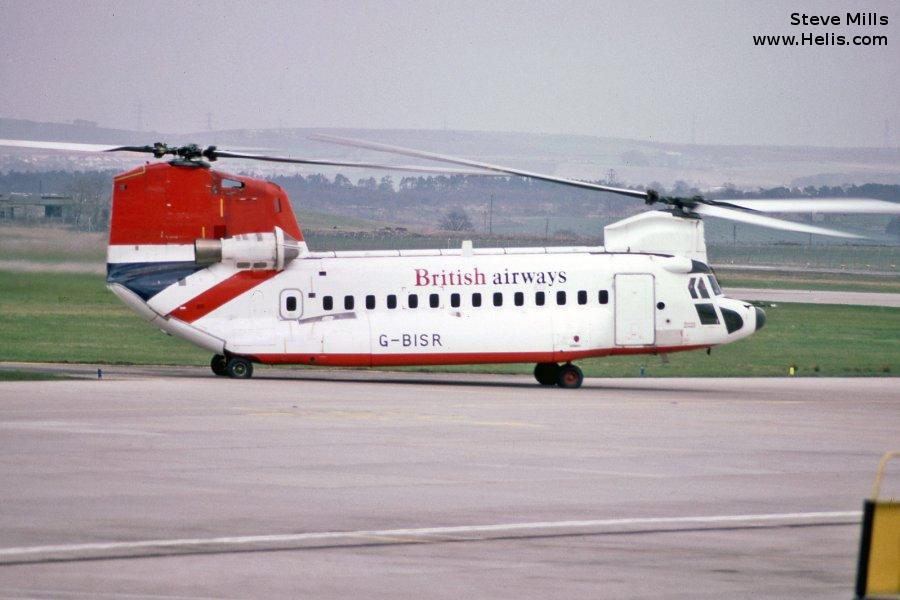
(172, 483)
(888, 299)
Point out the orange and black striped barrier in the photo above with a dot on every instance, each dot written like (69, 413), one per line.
(878, 571)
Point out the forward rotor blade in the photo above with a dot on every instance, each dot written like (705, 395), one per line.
(65, 146)
(360, 165)
(813, 205)
(721, 212)
(474, 163)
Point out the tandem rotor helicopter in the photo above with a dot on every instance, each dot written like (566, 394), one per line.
(219, 260)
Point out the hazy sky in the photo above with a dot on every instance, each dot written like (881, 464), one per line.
(637, 69)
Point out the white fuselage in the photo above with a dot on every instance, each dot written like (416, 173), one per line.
(450, 306)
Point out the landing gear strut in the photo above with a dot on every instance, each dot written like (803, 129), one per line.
(239, 368)
(217, 364)
(546, 373)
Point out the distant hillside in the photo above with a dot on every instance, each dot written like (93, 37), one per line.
(635, 162)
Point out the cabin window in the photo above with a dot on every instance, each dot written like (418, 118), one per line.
(370, 302)
(412, 301)
(277, 203)
(434, 300)
(498, 299)
(518, 298)
(707, 314)
(392, 301)
(582, 297)
(327, 303)
(291, 304)
(701, 287)
(603, 297)
(454, 300)
(231, 184)
(348, 302)
(476, 299)
(540, 298)
(560, 297)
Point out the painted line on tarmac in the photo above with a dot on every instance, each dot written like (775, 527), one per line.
(71, 551)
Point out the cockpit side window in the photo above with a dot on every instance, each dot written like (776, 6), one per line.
(707, 314)
(714, 286)
(701, 287)
(691, 283)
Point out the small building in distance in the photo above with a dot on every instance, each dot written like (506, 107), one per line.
(37, 207)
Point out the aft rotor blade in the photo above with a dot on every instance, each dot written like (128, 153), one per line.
(710, 210)
(360, 165)
(215, 153)
(814, 205)
(474, 163)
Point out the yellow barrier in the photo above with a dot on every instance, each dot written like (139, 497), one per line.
(878, 572)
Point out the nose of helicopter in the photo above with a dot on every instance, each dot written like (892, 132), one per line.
(760, 318)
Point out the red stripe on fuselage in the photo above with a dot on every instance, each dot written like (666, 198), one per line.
(456, 358)
(219, 294)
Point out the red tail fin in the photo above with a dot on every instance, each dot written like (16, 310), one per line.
(170, 204)
(159, 211)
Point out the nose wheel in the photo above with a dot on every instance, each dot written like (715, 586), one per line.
(570, 377)
(566, 376)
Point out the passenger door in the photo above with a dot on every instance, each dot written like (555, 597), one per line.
(635, 309)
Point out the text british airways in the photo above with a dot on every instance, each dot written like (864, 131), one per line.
(443, 278)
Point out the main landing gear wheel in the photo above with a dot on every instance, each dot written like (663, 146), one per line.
(239, 368)
(570, 377)
(546, 373)
(218, 365)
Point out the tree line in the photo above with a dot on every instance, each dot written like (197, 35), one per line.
(447, 202)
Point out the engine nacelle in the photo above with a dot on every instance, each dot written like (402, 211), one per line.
(249, 251)
(657, 232)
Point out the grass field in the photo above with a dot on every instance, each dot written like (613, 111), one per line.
(51, 244)
(73, 318)
(19, 375)
(834, 256)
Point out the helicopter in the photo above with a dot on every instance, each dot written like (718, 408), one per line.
(220, 261)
